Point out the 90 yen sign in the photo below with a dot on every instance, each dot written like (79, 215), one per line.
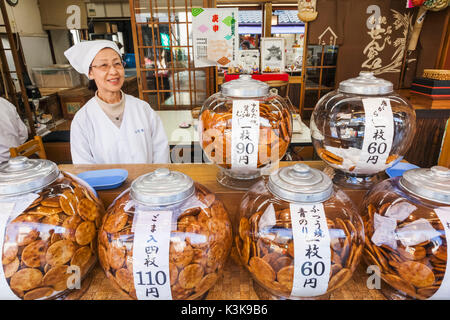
(248, 148)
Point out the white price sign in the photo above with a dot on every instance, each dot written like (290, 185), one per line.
(443, 293)
(151, 254)
(378, 135)
(312, 253)
(245, 134)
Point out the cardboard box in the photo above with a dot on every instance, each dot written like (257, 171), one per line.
(73, 100)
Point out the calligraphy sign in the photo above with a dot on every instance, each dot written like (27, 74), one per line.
(378, 135)
(245, 134)
(151, 254)
(312, 255)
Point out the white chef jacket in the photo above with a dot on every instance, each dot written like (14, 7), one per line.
(13, 132)
(141, 138)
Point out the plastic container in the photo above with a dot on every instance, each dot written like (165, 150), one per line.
(243, 129)
(48, 230)
(166, 237)
(299, 236)
(362, 129)
(57, 76)
(407, 223)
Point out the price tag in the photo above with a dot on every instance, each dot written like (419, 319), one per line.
(151, 254)
(245, 134)
(378, 135)
(312, 253)
(443, 293)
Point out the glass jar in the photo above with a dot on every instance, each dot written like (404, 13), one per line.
(167, 237)
(243, 129)
(48, 230)
(362, 129)
(299, 236)
(407, 223)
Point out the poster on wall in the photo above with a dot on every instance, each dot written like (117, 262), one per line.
(272, 54)
(215, 36)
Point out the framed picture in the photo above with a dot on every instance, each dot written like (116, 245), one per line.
(272, 55)
(248, 59)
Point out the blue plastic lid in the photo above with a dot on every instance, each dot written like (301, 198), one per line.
(104, 179)
(398, 169)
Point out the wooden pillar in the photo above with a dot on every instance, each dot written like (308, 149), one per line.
(267, 23)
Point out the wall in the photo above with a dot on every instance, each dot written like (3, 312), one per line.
(25, 19)
(60, 39)
(98, 9)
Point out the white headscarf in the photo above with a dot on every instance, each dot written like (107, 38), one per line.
(83, 53)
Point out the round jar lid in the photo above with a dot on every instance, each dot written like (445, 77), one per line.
(162, 187)
(245, 87)
(366, 84)
(21, 175)
(432, 184)
(300, 183)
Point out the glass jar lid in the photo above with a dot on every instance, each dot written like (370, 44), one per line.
(245, 87)
(162, 187)
(432, 184)
(300, 183)
(366, 84)
(21, 175)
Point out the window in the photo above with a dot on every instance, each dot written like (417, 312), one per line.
(163, 37)
(320, 73)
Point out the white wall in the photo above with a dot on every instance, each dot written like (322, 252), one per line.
(25, 18)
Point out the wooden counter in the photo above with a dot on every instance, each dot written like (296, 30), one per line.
(235, 282)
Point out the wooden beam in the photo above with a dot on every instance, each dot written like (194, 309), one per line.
(444, 45)
(303, 75)
(267, 23)
(444, 157)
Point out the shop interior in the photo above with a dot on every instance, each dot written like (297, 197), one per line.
(163, 73)
(341, 80)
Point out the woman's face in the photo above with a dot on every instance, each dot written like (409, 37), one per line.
(107, 71)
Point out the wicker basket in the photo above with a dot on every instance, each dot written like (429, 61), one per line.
(436, 74)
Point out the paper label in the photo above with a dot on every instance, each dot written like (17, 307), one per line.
(151, 254)
(245, 134)
(268, 218)
(443, 293)
(378, 136)
(10, 208)
(416, 232)
(312, 260)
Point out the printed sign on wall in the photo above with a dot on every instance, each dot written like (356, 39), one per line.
(216, 39)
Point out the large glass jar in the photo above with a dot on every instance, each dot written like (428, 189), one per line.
(299, 236)
(362, 129)
(243, 129)
(167, 237)
(407, 223)
(48, 230)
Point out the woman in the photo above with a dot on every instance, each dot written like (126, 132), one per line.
(112, 127)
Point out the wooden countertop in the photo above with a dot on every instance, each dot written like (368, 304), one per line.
(235, 282)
